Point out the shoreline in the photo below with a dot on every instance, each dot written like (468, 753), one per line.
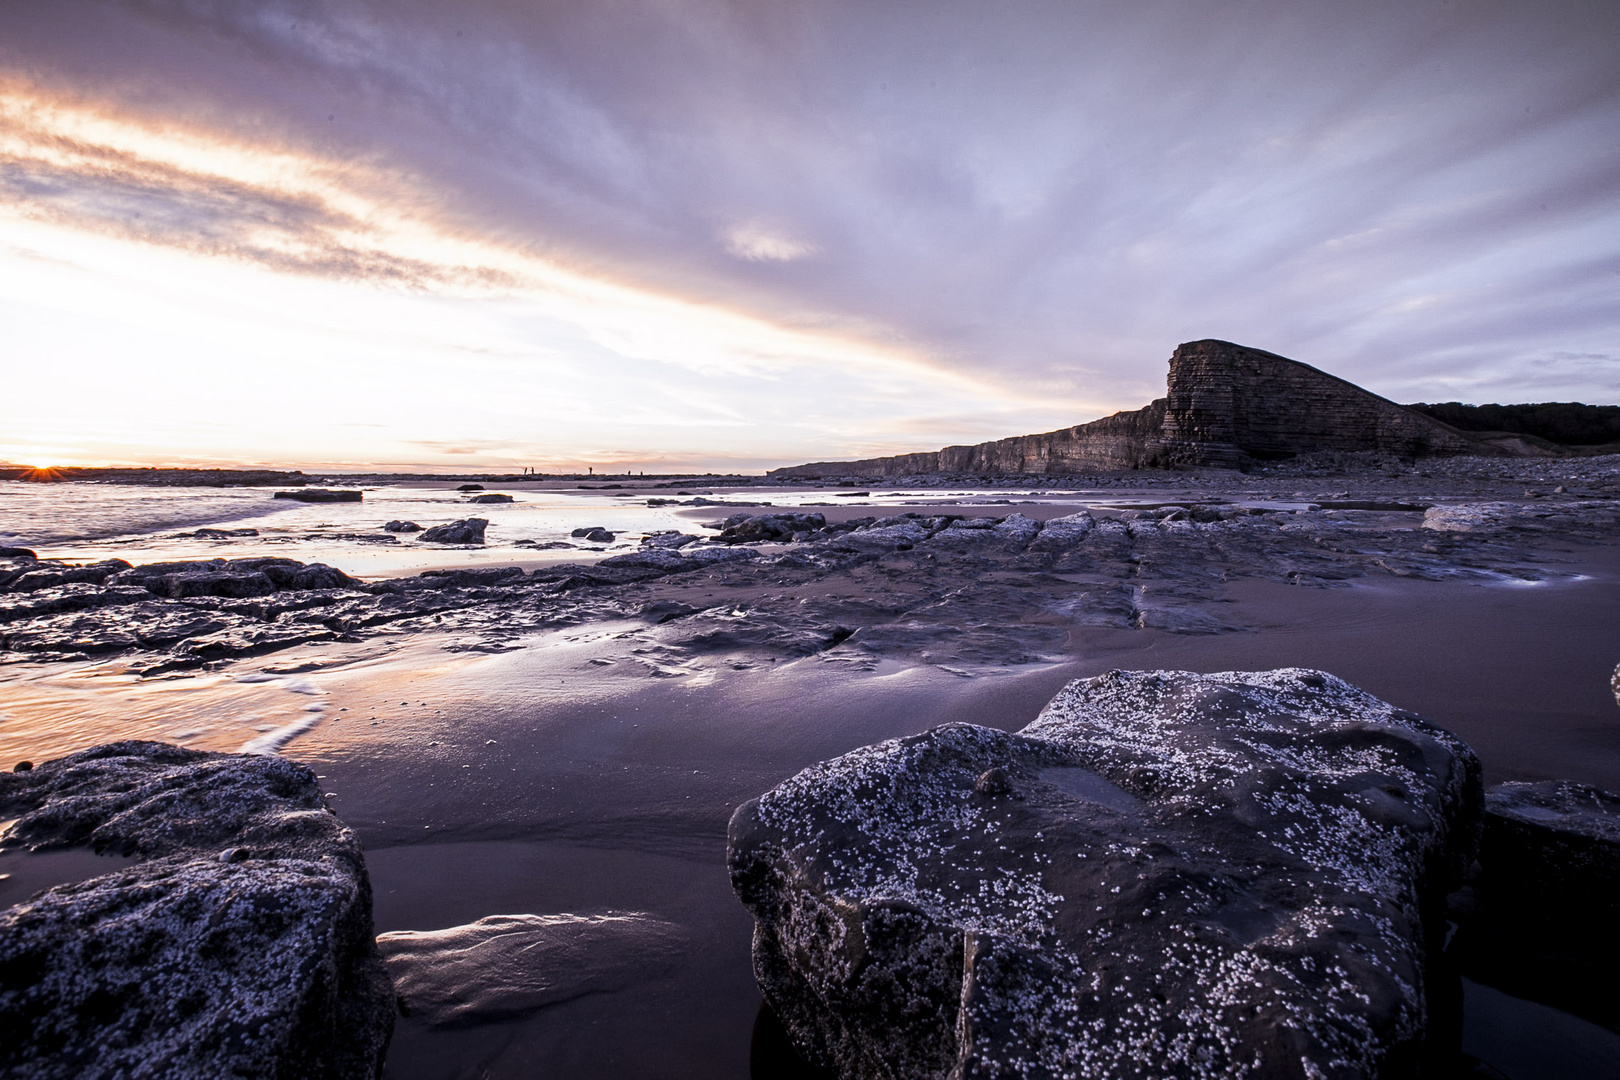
(579, 750)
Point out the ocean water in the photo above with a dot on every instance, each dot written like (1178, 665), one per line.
(89, 521)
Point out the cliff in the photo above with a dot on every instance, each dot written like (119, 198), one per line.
(1225, 405)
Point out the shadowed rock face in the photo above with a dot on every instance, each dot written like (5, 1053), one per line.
(1225, 405)
(1191, 875)
(240, 945)
(1539, 920)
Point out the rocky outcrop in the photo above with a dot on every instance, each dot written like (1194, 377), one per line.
(239, 944)
(749, 528)
(1225, 405)
(468, 531)
(1165, 874)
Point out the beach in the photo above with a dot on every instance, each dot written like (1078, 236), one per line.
(580, 750)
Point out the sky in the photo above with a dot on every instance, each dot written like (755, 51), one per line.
(683, 234)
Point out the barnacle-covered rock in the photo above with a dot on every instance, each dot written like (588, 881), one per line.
(1166, 874)
(240, 944)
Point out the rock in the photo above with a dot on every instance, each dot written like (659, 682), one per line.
(491, 499)
(234, 578)
(586, 531)
(1538, 922)
(1195, 875)
(471, 487)
(187, 963)
(484, 575)
(321, 576)
(1061, 534)
(320, 495)
(469, 531)
(95, 573)
(214, 583)
(745, 528)
(704, 556)
(1225, 405)
(17, 553)
(653, 558)
(600, 536)
(397, 526)
(219, 534)
(669, 539)
(1466, 517)
(507, 966)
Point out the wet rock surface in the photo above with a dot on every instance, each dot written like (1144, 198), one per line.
(321, 495)
(1165, 874)
(507, 966)
(239, 944)
(986, 587)
(467, 531)
(1538, 919)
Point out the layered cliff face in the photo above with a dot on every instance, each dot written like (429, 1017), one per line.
(1226, 405)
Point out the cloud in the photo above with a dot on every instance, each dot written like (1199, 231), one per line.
(757, 243)
(1019, 213)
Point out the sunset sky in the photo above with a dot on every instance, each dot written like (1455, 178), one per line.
(676, 234)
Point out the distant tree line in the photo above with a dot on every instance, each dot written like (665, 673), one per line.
(1569, 423)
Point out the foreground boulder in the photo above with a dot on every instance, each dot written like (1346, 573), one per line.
(239, 945)
(1166, 874)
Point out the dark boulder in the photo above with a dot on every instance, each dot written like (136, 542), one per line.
(398, 526)
(769, 527)
(214, 583)
(321, 576)
(236, 578)
(491, 499)
(471, 487)
(321, 495)
(95, 573)
(1539, 919)
(586, 530)
(17, 553)
(1165, 874)
(238, 945)
(668, 539)
(469, 531)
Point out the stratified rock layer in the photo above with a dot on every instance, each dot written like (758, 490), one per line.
(239, 946)
(1225, 405)
(1166, 874)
